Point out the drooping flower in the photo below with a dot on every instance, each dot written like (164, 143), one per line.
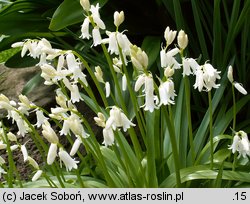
(167, 92)
(168, 58)
(189, 66)
(206, 77)
(75, 94)
(237, 85)
(40, 118)
(118, 44)
(240, 144)
(96, 16)
(21, 124)
(118, 119)
(67, 160)
(97, 39)
(85, 29)
(108, 137)
(150, 98)
(73, 123)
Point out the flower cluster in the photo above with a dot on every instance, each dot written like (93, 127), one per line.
(65, 70)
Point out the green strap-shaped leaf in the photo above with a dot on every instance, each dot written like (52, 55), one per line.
(203, 172)
(151, 45)
(68, 13)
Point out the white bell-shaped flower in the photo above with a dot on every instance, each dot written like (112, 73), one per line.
(167, 92)
(118, 119)
(68, 161)
(108, 137)
(240, 144)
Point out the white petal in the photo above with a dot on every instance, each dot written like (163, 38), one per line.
(240, 88)
(75, 147)
(139, 82)
(24, 152)
(124, 82)
(37, 175)
(107, 88)
(97, 39)
(52, 153)
(67, 160)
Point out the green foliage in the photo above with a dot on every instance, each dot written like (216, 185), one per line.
(159, 150)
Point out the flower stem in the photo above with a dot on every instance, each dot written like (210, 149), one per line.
(189, 117)
(234, 108)
(131, 131)
(102, 94)
(174, 147)
(211, 130)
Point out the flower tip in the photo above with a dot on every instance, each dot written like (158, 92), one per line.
(85, 5)
(230, 74)
(182, 39)
(118, 18)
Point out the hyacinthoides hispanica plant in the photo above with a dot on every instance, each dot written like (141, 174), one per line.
(144, 120)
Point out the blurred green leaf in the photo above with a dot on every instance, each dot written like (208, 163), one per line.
(16, 61)
(32, 83)
(68, 13)
(151, 45)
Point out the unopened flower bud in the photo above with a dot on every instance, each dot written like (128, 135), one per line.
(33, 163)
(52, 153)
(139, 58)
(99, 74)
(169, 35)
(182, 39)
(85, 4)
(11, 137)
(37, 175)
(100, 120)
(230, 74)
(49, 133)
(24, 152)
(107, 88)
(118, 18)
(168, 72)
